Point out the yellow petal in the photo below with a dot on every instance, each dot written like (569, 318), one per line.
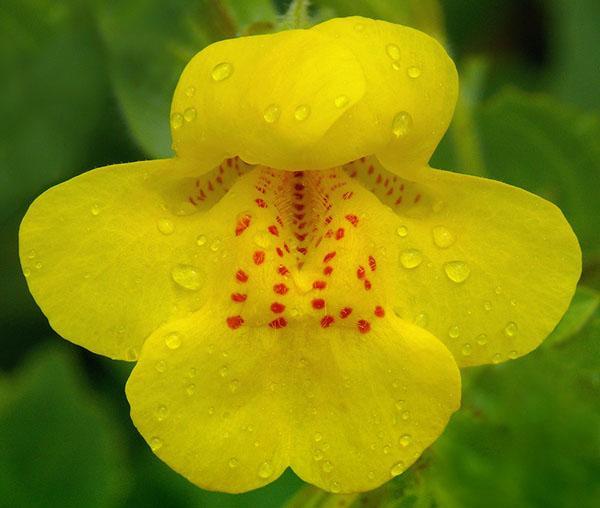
(101, 251)
(318, 98)
(487, 268)
(231, 409)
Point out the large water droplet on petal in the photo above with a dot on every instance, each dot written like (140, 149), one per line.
(165, 226)
(411, 258)
(442, 237)
(393, 51)
(457, 271)
(222, 71)
(401, 124)
(265, 470)
(173, 340)
(272, 113)
(302, 112)
(397, 468)
(187, 276)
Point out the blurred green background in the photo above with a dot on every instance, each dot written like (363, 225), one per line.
(89, 82)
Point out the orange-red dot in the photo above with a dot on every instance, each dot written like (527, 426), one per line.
(280, 322)
(339, 234)
(379, 311)
(352, 219)
(277, 307)
(318, 303)
(372, 263)
(279, 251)
(258, 257)
(319, 284)
(242, 224)
(327, 321)
(283, 270)
(360, 272)
(345, 312)
(238, 297)
(273, 230)
(327, 270)
(328, 257)
(368, 284)
(280, 289)
(241, 276)
(235, 322)
(363, 326)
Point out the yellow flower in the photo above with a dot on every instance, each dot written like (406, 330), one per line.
(297, 285)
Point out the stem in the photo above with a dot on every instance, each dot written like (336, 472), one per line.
(296, 16)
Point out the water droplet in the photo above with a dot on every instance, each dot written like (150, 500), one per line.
(233, 463)
(359, 27)
(272, 113)
(327, 467)
(413, 72)
(265, 470)
(161, 413)
(401, 124)
(223, 371)
(421, 320)
(234, 385)
(27, 272)
(457, 271)
(371, 475)
(482, 339)
(189, 389)
(341, 101)
(466, 349)
(496, 358)
(393, 51)
(511, 329)
(201, 240)
(402, 231)
(222, 71)
(386, 449)
(442, 237)
(498, 290)
(38, 265)
(411, 258)
(318, 454)
(173, 340)
(216, 245)
(211, 410)
(487, 305)
(302, 112)
(190, 91)
(400, 404)
(95, 209)
(161, 365)
(513, 354)
(397, 469)
(405, 415)
(187, 276)
(318, 436)
(396, 66)
(405, 440)
(454, 331)
(155, 443)
(335, 487)
(189, 114)
(165, 226)
(31, 254)
(176, 120)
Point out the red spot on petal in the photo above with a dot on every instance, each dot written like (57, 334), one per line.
(258, 257)
(283, 270)
(261, 203)
(372, 263)
(242, 224)
(327, 270)
(328, 257)
(318, 303)
(345, 312)
(360, 272)
(273, 230)
(379, 312)
(238, 297)
(277, 307)
(339, 234)
(279, 252)
(241, 275)
(280, 289)
(278, 323)
(417, 198)
(327, 321)
(368, 284)
(319, 284)
(352, 219)
(363, 326)
(235, 322)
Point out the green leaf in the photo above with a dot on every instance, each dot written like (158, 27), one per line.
(540, 144)
(54, 91)
(149, 44)
(58, 446)
(582, 309)
(426, 15)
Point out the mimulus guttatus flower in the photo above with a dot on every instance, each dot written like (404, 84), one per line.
(297, 285)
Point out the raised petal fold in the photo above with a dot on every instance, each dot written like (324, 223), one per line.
(100, 251)
(347, 410)
(318, 98)
(487, 268)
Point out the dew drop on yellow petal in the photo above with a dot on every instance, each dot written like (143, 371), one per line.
(457, 271)
(155, 443)
(511, 329)
(482, 339)
(413, 72)
(95, 209)
(466, 349)
(487, 305)
(401, 124)
(165, 226)
(189, 389)
(496, 358)
(442, 237)
(161, 365)
(327, 467)
(393, 51)
(454, 332)
(302, 112)
(265, 470)
(187, 276)
(221, 71)
(233, 462)
(201, 240)
(216, 245)
(421, 320)
(176, 120)
(405, 440)
(513, 354)
(402, 231)
(341, 101)
(190, 91)
(173, 340)
(189, 114)
(161, 412)
(411, 258)
(397, 468)
(272, 113)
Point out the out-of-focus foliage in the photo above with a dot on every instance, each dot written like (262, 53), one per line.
(89, 82)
